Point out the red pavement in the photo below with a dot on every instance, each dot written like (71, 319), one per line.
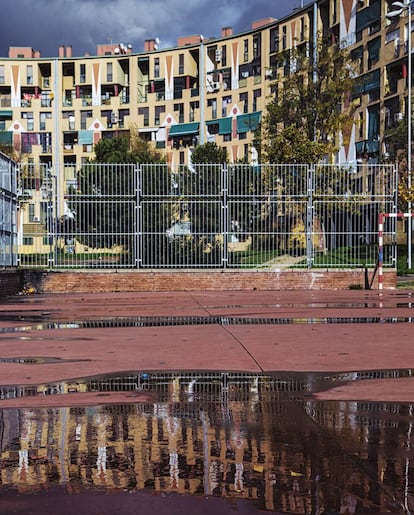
(294, 347)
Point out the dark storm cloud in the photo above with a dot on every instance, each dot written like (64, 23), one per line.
(46, 24)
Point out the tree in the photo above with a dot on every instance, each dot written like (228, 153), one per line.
(309, 107)
(200, 182)
(105, 200)
(210, 152)
(397, 138)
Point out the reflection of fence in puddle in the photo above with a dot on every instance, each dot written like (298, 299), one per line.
(171, 321)
(192, 386)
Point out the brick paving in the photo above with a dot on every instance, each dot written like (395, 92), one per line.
(298, 346)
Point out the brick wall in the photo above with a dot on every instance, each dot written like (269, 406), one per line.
(101, 281)
(11, 282)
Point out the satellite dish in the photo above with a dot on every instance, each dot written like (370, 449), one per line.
(157, 41)
(116, 50)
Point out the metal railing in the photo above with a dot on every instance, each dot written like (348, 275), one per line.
(206, 216)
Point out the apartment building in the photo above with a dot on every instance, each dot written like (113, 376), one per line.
(53, 110)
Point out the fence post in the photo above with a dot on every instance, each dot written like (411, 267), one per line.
(309, 216)
(138, 216)
(225, 214)
(52, 212)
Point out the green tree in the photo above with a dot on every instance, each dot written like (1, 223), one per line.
(308, 110)
(210, 152)
(198, 190)
(105, 201)
(397, 138)
(309, 106)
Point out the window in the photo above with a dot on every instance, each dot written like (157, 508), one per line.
(256, 94)
(29, 74)
(284, 37)
(31, 212)
(109, 77)
(302, 29)
(2, 77)
(246, 50)
(392, 35)
(193, 107)
(212, 102)
(226, 102)
(179, 108)
(144, 111)
(244, 100)
(158, 111)
(42, 121)
(361, 125)
(29, 117)
(84, 119)
(256, 47)
(156, 67)
(27, 240)
(224, 55)
(180, 64)
(82, 77)
(274, 40)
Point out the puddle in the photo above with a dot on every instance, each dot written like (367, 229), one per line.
(39, 361)
(224, 437)
(202, 320)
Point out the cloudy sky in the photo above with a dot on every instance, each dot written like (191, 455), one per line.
(44, 25)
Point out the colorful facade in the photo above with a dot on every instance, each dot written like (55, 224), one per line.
(53, 110)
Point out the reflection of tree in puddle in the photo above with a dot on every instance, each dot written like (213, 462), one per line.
(284, 455)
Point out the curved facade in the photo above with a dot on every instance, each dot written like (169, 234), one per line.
(53, 110)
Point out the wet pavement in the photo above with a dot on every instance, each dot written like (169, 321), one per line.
(204, 402)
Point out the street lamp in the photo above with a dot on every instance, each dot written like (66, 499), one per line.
(398, 9)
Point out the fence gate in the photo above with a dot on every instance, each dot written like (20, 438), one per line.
(204, 216)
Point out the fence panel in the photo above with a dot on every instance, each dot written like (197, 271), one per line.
(8, 212)
(206, 216)
(346, 201)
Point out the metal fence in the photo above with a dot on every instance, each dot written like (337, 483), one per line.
(205, 216)
(8, 213)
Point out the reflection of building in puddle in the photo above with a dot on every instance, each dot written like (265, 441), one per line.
(267, 450)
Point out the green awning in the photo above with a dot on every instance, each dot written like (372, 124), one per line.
(6, 138)
(183, 129)
(243, 123)
(85, 137)
(6, 115)
(248, 122)
(255, 120)
(225, 125)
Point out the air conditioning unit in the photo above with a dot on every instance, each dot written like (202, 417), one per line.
(216, 86)
(114, 117)
(36, 219)
(398, 117)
